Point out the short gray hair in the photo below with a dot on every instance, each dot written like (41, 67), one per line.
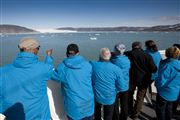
(105, 54)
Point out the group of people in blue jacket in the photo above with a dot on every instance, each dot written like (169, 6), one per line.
(89, 86)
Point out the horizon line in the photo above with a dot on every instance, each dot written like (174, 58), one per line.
(88, 26)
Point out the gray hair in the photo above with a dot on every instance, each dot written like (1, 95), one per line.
(105, 54)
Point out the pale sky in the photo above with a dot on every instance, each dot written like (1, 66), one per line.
(47, 14)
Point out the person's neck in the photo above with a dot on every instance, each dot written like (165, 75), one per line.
(137, 48)
(102, 60)
(28, 52)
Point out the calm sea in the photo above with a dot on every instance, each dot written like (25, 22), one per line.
(89, 43)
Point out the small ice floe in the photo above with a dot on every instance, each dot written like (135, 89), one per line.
(2, 35)
(93, 38)
(97, 34)
(42, 36)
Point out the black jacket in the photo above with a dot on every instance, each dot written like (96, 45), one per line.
(142, 66)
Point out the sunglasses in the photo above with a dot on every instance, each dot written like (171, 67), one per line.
(38, 47)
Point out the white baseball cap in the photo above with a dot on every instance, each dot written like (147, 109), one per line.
(28, 43)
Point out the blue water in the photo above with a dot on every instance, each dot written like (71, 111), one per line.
(89, 48)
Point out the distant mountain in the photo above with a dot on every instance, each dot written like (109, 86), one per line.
(15, 29)
(175, 27)
(20, 29)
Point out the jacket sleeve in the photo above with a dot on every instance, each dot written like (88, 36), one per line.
(151, 65)
(163, 76)
(59, 74)
(49, 60)
(119, 81)
(55, 75)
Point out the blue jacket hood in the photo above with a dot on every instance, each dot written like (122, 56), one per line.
(176, 64)
(123, 62)
(107, 81)
(74, 62)
(75, 75)
(173, 62)
(25, 60)
(168, 82)
(23, 87)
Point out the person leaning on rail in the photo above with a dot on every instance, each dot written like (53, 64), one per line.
(142, 66)
(118, 58)
(107, 82)
(152, 50)
(176, 104)
(168, 84)
(74, 74)
(23, 84)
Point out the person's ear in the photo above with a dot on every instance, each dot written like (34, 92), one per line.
(35, 51)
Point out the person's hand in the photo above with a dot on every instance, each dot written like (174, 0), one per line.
(49, 52)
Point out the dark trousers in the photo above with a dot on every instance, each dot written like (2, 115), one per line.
(85, 118)
(135, 109)
(163, 108)
(108, 111)
(175, 105)
(123, 115)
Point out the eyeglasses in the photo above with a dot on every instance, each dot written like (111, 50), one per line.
(38, 47)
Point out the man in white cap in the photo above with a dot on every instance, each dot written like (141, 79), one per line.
(29, 45)
(23, 84)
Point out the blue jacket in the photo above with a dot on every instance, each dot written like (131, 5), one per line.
(156, 56)
(123, 62)
(23, 86)
(168, 81)
(107, 81)
(75, 74)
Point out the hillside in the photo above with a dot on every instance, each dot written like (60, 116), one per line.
(20, 29)
(15, 29)
(175, 27)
